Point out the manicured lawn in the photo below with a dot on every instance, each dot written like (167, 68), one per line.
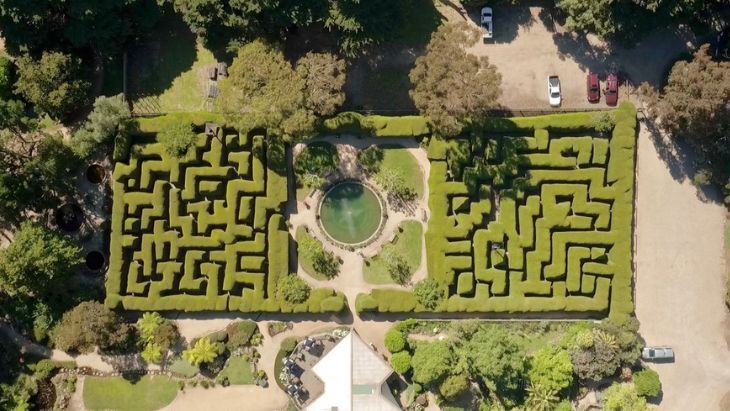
(407, 243)
(399, 159)
(304, 259)
(182, 367)
(149, 393)
(238, 372)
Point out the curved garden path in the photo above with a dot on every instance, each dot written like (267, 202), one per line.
(351, 280)
(680, 273)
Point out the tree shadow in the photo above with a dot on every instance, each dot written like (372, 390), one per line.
(155, 60)
(507, 21)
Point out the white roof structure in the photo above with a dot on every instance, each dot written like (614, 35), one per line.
(354, 379)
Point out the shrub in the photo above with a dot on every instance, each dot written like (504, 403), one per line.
(551, 368)
(604, 122)
(647, 383)
(394, 341)
(428, 293)
(370, 159)
(293, 289)
(401, 362)
(204, 351)
(240, 332)
(431, 361)
(453, 385)
(177, 138)
(623, 397)
(90, 324)
(318, 159)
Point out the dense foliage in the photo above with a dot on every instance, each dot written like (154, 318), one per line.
(401, 362)
(428, 292)
(53, 83)
(37, 260)
(431, 361)
(370, 159)
(451, 85)
(647, 383)
(177, 138)
(90, 325)
(102, 125)
(394, 341)
(203, 351)
(623, 397)
(293, 289)
(497, 357)
(551, 368)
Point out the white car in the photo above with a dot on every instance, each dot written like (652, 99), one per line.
(657, 353)
(486, 23)
(554, 91)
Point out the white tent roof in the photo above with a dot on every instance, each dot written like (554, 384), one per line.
(353, 377)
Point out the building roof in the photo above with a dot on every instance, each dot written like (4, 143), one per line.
(354, 379)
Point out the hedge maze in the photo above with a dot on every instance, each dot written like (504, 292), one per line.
(202, 232)
(530, 215)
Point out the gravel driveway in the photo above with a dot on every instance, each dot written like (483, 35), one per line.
(680, 269)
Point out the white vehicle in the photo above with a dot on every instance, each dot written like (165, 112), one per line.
(657, 353)
(554, 91)
(486, 23)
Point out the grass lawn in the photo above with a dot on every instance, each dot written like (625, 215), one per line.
(182, 367)
(407, 243)
(149, 393)
(399, 159)
(238, 372)
(304, 260)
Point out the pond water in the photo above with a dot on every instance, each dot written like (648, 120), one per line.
(350, 212)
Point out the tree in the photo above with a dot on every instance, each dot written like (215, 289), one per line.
(177, 138)
(551, 369)
(431, 361)
(152, 353)
(204, 351)
(623, 397)
(589, 16)
(7, 75)
(90, 324)
(99, 25)
(393, 182)
(397, 267)
(293, 289)
(540, 398)
(324, 77)
(453, 385)
(317, 158)
(53, 83)
(370, 159)
(263, 91)
(596, 356)
(36, 261)
(394, 341)
(647, 383)
(103, 124)
(401, 362)
(323, 261)
(449, 84)
(429, 293)
(497, 357)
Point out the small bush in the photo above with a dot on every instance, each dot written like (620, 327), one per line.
(428, 293)
(293, 289)
(177, 138)
(647, 383)
(240, 332)
(453, 385)
(604, 122)
(394, 341)
(401, 362)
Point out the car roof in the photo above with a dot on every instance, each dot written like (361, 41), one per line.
(554, 81)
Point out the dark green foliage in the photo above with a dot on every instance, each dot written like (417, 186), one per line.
(314, 257)
(101, 25)
(7, 78)
(293, 289)
(89, 325)
(628, 340)
(317, 158)
(497, 358)
(453, 385)
(104, 124)
(397, 266)
(647, 383)
(177, 138)
(428, 293)
(401, 362)
(394, 341)
(595, 356)
(431, 361)
(37, 260)
(240, 332)
(370, 159)
(52, 83)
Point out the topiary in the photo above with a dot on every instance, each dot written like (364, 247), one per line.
(394, 341)
(401, 362)
(647, 383)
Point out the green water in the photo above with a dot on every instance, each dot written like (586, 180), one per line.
(350, 213)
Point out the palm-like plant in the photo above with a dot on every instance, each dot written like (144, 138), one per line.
(152, 353)
(148, 324)
(540, 398)
(203, 351)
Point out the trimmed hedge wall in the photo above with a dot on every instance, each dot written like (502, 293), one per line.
(205, 231)
(558, 237)
(376, 126)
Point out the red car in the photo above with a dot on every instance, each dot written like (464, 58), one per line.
(593, 88)
(611, 91)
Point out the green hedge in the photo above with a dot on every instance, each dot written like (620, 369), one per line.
(565, 218)
(376, 126)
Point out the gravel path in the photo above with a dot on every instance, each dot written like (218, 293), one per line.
(680, 273)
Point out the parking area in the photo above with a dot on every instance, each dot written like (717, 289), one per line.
(529, 45)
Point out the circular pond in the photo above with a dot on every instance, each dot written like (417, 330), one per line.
(69, 217)
(95, 174)
(350, 213)
(94, 260)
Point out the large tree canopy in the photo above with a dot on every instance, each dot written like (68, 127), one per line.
(451, 85)
(36, 259)
(89, 325)
(497, 357)
(37, 25)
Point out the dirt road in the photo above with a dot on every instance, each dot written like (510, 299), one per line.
(680, 280)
